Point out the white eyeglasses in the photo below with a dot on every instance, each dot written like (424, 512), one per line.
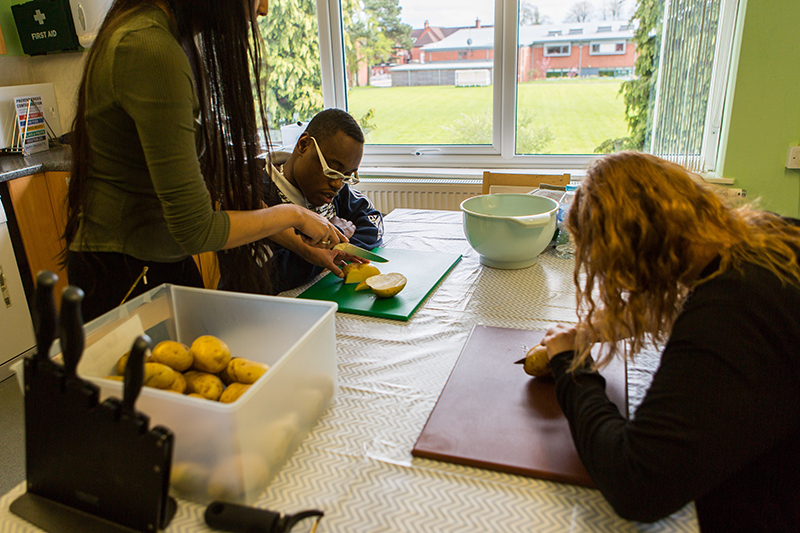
(334, 174)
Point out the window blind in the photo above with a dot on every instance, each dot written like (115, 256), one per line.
(693, 66)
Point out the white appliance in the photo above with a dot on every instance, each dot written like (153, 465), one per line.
(88, 15)
(16, 327)
(7, 116)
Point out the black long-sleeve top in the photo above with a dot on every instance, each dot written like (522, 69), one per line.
(350, 204)
(720, 424)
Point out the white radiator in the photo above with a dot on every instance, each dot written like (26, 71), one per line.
(411, 193)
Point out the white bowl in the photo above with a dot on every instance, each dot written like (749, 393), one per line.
(509, 230)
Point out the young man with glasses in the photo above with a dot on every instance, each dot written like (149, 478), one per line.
(319, 174)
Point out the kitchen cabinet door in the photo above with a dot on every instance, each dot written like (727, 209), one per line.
(39, 226)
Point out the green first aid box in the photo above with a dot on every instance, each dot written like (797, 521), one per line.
(45, 26)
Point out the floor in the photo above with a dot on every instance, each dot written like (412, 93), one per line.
(12, 435)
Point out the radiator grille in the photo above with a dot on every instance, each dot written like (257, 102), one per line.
(441, 194)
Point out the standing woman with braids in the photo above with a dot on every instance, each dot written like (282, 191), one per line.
(665, 259)
(165, 146)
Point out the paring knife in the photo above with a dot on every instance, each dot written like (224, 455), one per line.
(360, 252)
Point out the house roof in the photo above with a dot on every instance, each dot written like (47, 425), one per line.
(431, 34)
(483, 38)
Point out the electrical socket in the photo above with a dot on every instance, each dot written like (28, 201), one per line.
(793, 159)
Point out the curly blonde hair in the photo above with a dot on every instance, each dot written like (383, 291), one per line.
(636, 219)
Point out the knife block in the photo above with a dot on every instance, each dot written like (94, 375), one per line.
(91, 466)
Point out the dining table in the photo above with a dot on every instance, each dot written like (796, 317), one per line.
(356, 463)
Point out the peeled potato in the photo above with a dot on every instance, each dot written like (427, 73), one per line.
(537, 362)
(211, 354)
(358, 272)
(387, 285)
(175, 355)
(362, 286)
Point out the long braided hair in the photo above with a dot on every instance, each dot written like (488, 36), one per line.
(226, 53)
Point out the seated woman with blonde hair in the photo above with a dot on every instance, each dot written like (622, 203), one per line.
(667, 260)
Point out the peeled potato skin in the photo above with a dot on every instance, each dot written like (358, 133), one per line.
(537, 362)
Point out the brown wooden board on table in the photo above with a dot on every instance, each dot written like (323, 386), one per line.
(492, 415)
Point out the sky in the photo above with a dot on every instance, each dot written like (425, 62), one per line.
(451, 13)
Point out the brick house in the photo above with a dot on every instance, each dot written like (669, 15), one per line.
(554, 50)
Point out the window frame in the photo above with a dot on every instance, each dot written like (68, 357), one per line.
(561, 45)
(500, 154)
(611, 43)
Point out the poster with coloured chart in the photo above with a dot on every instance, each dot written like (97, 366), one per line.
(32, 127)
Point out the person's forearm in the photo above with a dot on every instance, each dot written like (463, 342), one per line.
(250, 226)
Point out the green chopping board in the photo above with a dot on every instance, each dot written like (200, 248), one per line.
(423, 270)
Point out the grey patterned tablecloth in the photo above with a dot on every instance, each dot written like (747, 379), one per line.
(356, 463)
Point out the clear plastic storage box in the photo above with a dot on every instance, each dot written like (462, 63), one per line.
(227, 451)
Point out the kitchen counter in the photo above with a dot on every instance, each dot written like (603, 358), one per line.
(356, 463)
(55, 159)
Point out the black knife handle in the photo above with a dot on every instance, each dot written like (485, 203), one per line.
(71, 328)
(241, 518)
(134, 373)
(44, 313)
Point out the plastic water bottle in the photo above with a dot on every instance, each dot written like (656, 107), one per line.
(565, 246)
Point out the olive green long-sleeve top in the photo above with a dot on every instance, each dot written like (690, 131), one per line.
(147, 197)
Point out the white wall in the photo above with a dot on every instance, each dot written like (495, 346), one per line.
(62, 70)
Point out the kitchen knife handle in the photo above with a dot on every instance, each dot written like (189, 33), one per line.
(44, 313)
(71, 329)
(134, 373)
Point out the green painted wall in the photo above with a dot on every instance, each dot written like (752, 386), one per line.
(13, 45)
(765, 111)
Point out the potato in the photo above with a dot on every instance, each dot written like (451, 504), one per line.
(207, 385)
(537, 362)
(119, 368)
(244, 370)
(195, 395)
(174, 354)
(387, 285)
(158, 375)
(210, 354)
(179, 384)
(232, 392)
(358, 272)
(121, 363)
(225, 376)
(115, 378)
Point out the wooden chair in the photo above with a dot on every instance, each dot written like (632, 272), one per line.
(521, 182)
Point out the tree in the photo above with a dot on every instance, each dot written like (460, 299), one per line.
(636, 92)
(374, 32)
(529, 15)
(580, 12)
(294, 81)
(613, 9)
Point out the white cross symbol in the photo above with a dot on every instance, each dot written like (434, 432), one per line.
(39, 17)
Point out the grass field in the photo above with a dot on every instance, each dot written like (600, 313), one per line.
(578, 114)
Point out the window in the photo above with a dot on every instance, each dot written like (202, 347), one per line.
(608, 48)
(557, 50)
(449, 83)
